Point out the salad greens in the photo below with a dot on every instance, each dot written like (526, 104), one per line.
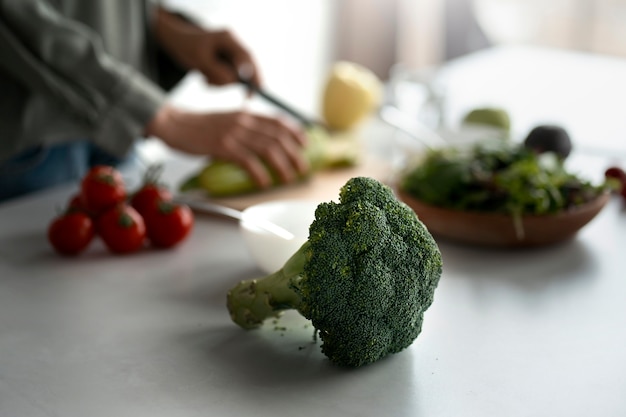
(497, 176)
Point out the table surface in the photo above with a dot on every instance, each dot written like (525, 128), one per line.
(511, 333)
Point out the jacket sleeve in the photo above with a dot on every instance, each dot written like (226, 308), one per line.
(61, 58)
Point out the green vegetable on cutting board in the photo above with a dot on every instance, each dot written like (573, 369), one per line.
(222, 178)
(364, 278)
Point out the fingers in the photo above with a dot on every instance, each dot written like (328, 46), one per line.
(241, 58)
(278, 144)
(220, 73)
(261, 142)
(228, 60)
(246, 67)
(251, 163)
(268, 148)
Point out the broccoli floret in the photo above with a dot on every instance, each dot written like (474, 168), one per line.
(364, 278)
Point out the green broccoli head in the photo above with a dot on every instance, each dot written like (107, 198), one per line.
(364, 278)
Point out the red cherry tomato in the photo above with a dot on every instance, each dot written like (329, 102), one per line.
(75, 203)
(122, 229)
(147, 197)
(616, 172)
(168, 223)
(71, 233)
(102, 188)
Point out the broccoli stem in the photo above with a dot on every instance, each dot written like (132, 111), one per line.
(253, 301)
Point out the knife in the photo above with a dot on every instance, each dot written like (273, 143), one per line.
(204, 206)
(244, 79)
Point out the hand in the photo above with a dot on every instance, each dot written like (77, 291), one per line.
(244, 138)
(218, 54)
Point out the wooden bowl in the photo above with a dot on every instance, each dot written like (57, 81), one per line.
(495, 229)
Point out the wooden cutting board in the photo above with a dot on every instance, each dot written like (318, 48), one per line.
(323, 186)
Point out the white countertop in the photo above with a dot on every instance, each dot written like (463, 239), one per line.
(511, 333)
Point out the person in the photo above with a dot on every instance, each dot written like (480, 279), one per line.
(81, 81)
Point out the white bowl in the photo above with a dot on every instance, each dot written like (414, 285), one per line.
(269, 250)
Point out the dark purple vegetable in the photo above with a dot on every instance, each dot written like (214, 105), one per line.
(549, 138)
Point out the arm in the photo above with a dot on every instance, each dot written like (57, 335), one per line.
(250, 140)
(216, 54)
(246, 139)
(65, 60)
(62, 59)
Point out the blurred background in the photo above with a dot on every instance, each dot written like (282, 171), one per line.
(539, 44)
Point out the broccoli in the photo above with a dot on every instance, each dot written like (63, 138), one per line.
(364, 278)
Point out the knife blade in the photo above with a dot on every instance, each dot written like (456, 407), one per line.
(244, 78)
(204, 206)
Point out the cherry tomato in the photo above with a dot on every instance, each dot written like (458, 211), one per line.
(147, 197)
(102, 188)
(151, 191)
(616, 172)
(71, 233)
(75, 203)
(122, 229)
(169, 223)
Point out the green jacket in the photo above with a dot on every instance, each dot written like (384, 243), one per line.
(77, 69)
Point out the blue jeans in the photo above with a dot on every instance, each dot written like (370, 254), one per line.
(44, 167)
